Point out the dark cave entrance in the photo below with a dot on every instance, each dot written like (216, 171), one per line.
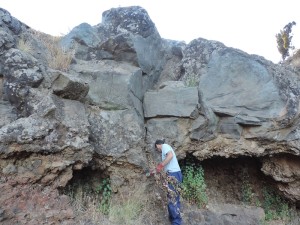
(88, 176)
(234, 180)
(87, 186)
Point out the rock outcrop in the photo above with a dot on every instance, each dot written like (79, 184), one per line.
(126, 87)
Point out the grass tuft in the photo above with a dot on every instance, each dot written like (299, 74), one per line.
(25, 46)
(57, 57)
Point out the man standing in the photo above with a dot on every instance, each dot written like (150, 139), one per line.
(171, 167)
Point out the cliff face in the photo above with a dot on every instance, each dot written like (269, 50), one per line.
(126, 87)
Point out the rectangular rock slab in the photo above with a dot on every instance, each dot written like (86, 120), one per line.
(178, 102)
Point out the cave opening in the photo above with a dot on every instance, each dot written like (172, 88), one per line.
(235, 180)
(88, 188)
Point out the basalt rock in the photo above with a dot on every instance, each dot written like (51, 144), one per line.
(126, 87)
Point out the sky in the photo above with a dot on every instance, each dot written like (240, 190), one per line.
(248, 25)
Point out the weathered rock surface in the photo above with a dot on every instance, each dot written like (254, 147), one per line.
(222, 214)
(286, 171)
(126, 87)
(171, 100)
(6, 113)
(67, 86)
(235, 84)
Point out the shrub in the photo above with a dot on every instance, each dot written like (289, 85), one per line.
(275, 207)
(104, 189)
(191, 80)
(194, 187)
(247, 191)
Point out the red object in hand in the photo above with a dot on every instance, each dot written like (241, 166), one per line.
(159, 168)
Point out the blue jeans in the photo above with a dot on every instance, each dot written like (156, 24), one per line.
(174, 206)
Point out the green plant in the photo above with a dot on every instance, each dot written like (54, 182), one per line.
(247, 192)
(104, 189)
(191, 80)
(194, 187)
(257, 203)
(262, 222)
(275, 207)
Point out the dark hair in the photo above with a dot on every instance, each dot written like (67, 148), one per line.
(159, 142)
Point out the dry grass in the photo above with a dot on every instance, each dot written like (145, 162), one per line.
(25, 46)
(129, 210)
(142, 205)
(57, 57)
(137, 206)
(86, 207)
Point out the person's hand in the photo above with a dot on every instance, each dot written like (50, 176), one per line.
(148, 174)
(152, 172)
(159, 168)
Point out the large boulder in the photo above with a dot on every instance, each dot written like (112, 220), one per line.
(241, 97)
(70, 87)
(59, 127)
(9, 23)
(112, 85)
(173, 99)
(125, 34)
(21, 73)
(236, 84)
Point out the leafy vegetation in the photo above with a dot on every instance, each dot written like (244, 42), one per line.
(275, 206)
(194, 187)
(247, 192)
(191, 80)
(104, 189)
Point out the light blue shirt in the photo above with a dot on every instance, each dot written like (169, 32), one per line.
(173, 165)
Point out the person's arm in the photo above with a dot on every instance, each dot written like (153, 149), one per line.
(165, 162)
(168, 158)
